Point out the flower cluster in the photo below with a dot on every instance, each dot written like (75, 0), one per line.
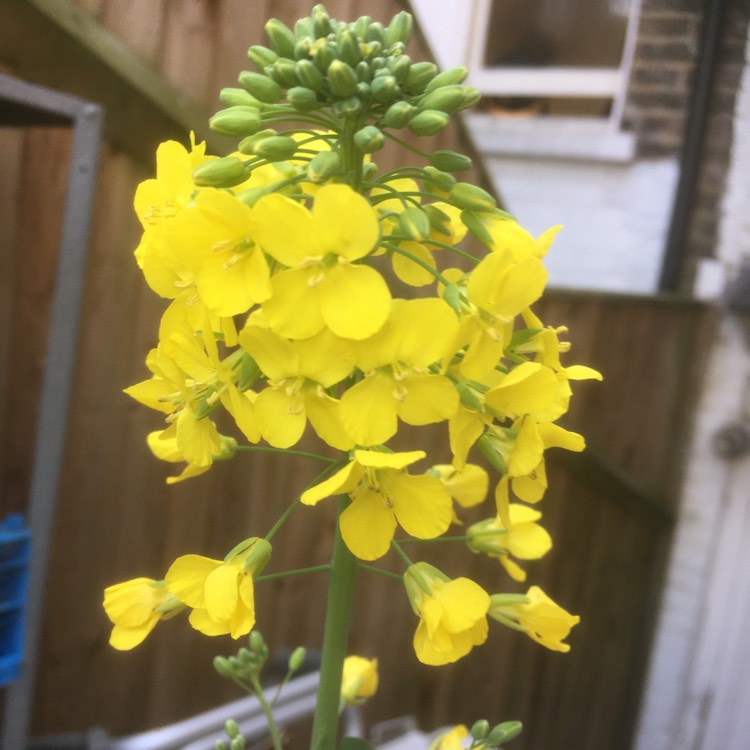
(310, 292)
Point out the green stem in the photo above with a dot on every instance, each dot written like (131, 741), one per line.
(427, 267)
(381, 572)
(292, 573)
(268, 713)
(286, 452)
(335, 635)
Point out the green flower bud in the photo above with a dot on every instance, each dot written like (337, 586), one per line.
(275, 148)
(303, 29)
(441, 180)
(349, 106)
(399, 67)
(234, 97)
(439, 221)
(225, 172)
(364, 74)
(324, 56)
(321, 21)
(227, 448)
(220, 745)
(470, 97)
(323, 166)
(399, 29)
(231, 728)
(414, 223)
(252, 195)
(261, 56)
(361, 25)
(369, 139)
(363, 90)
(449, 161)
(469, 397)
(238, 743)
(384, 88)
(302, 49)
(480, 729)
(309, 75)
(471, 197)
(447, 78)
(428, 122)
(222, 666)
(504, 732)
(245, 656)
(280, 37)
(342, 78)
(369, 170)
(260, 86)
(371, 51)
(302, 99)
(376, 33)
(349, 50)
(260, 554)
(297, 659)
(256, 642)
(246, 144)
(476, 227)
(447, 99)
(398, 114)
(285, 72)
(420, 74)
(236, 121)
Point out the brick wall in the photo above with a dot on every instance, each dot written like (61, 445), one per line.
(661, 83)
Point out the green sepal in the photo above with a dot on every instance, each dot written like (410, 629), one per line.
(384, 88)
(469, 397)
(399, 114)
(369, 139)
(225, 172)
(452, 295)
(275, 148)
(428, 122)
(420, 74)
(342, 79)
(321, 22)
(261, 56)
(441, 180)
(480, 729)
(303, 29)
(348, 106)
(376, 33)
(280, 37)
(446, 99)
(285, 72)
(475, 226)
(447, 78)
(324, 56)
(450, 161)
(236, 121)
(439, 220)
(360, 26)
(399, 67)
(246, 144)
(302, 49)
(260, 86)
(349, 51)
(309, 75)
(414, 223)
(364, 74)
(399, 29)
(494, 459)
(471, 197)
(249, 372)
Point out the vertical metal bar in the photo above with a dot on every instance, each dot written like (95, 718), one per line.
(55, 403)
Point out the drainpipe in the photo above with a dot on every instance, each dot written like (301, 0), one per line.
(692, 150)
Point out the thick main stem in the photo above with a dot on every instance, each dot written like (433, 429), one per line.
(335, 636)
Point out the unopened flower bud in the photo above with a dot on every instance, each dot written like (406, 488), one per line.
(260, 86)
(231, 728)
(349, 106)
(238, 743)
(261, 56)
(246, 144)
(234, 97)
(323, 166)
(480, 729)
(441, 180)
(275, 148)
(280, 37)
(447, 78)
(384, 88)
(257, 642)
(324, 55)
(474, 224)
(245, 655)
(420, 74)
(221, 745)
(369, 139)
(236, 121)
(342, 78)
(369, 170)
(226, 172)
(452, 295)
(504, 732)
(361, 25)
(349, 50)
(321, 21)
(446, 99)
(414, 223)
(399, 29)
(309, 75)
(428, 122)
(439, 220)
(398, 114)
(285, 71)
(469, 397)
(471, 197)
(450, 161)
(376, 33)
(222, 666)
(303, 29)
(399, 67)
(297, 659)
(302, 98)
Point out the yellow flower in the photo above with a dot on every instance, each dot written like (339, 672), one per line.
(321, 285)
(467, 487)
(298, 372)
(451, 740)
(359, 680)
(535, 614)
(453, 614)
(220, 592)
(383, 496)
(398, 382)
(134, 607)
(524, 539)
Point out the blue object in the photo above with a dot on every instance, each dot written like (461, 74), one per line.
(15, 550)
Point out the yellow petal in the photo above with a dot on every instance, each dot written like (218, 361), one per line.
(280, 418)
(428, 399)
(124, 639)
(186, 578)
(344, 480)
(293, 309)
(285, 230)
(197, 439)
(368, 410)
(380, 460)
(422, 505)
(323, 413)
(275, 355)
(221, 592)
(367, 525)
(410, 272)
(345, 221)
(200, 620)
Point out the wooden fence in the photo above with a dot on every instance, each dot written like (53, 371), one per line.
(609, 510)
